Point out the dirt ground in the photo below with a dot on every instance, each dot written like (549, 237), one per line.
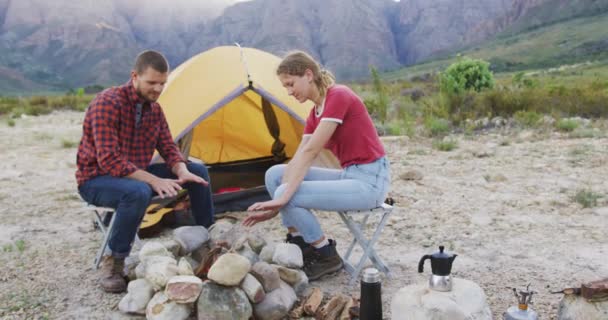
(502, 202)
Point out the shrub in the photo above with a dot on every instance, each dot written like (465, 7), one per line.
(67, 144)
(10, 122)
(586, 198)
(566, 125)
(437, 127)
(445, 145)
(467, 74)
(378, 105)
(527, 118)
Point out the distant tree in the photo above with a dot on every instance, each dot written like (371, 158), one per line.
(467, 74)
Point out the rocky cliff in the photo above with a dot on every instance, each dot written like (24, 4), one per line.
(67, 43)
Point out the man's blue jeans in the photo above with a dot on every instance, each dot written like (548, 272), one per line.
(132, 197)
(357, 187)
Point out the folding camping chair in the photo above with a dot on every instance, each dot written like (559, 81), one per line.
(357, 229)
(103, 219)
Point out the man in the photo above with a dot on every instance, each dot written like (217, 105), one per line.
(122, 128)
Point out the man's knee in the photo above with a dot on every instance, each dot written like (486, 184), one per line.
(140, 193)
(198, 169)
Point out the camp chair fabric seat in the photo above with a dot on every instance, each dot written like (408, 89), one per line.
(356, 221)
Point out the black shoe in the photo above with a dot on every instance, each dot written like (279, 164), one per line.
(307, 249)
(324, 261)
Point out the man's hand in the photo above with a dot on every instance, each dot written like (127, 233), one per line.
(187, 176)
(165, 187)
(254, 218)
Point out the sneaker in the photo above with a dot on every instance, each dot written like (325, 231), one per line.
(323, 262)
(307, 249)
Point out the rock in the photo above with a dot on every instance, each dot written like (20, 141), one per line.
(302, 285)
(412, 175)
(222, 303)
(573, 307)
(184, 268)
(139, 293)
(221, 231)
(183, 289)
(253, 289)
(417, 302)
(277, 303)
(158, 270)
(131, 263)
(152, 249)
(172, 246)
(248, 253)
(288, 275)
(190, 238)
(267, 275)
(268, 252)
(229, 269)
(288, 255)
(256, 243)
(161, 308)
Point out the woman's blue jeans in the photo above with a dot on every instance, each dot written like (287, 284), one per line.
(132, 197)
(357, 187)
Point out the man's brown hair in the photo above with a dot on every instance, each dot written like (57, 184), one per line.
(152, 59)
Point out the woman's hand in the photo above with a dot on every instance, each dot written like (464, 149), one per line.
(272, 205)
(256, 217)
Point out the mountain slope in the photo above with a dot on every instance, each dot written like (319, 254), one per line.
(567, 42)
(62, 44)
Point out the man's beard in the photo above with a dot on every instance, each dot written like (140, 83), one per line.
(141, 95)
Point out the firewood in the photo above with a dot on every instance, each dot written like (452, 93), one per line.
(296, 313)
(345, 315)
(595, 291)
(334, 313)
(314, 300)
(329, 306)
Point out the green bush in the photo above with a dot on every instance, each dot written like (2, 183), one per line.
(467, 74)
(378, 105)
(10, 122)
(527, 118)
(445, 145)
(437, 127)
(566, 125)
(586, 198)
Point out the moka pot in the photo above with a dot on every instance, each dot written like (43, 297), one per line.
(441, 266)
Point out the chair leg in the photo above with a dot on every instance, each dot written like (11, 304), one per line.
(367, 246)
(106, 238)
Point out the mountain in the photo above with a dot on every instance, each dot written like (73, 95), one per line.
(61, 44)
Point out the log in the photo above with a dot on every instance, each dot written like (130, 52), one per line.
(334, 313)
(296, 313)
(329, 306)
(595, 291)
(313, 302)
(345, 315)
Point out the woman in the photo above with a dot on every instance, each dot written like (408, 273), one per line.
(340, 122)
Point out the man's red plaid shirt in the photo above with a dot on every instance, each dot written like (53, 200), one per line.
(111, 142)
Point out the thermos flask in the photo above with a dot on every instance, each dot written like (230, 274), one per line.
(371, 295)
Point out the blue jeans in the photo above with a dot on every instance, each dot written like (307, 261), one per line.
(357, 187)
(132, 197)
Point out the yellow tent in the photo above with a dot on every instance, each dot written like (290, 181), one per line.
(227, 108)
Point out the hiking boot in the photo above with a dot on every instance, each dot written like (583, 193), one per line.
(111, 276)
(307, 250)
(324, 261)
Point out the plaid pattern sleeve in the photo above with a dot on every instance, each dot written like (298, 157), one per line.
(166, 147)
(120, 133)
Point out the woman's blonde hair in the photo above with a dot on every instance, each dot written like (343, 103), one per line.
(296, 63)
